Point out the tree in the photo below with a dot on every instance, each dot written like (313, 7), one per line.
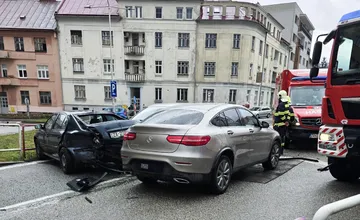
(324, 63)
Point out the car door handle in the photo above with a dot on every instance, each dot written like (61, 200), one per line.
(230, 132)
(251, 130)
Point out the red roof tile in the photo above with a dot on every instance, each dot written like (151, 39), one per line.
(77, 7)
(28, 14)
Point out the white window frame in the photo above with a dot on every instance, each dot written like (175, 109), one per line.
(179, 15)
(181, 92)
(138, 12)
(207, 97)
(107, 93)
(184, 40)
(19, 41)
(158, 39)
(78, 65)
(42, 72)
(80, 91)
(236, 41)
(22, 72)
(234, 68)
(76, 37)
(158, 94)
(183, 68)
(107, 65)
(209, 68)
(261, 47)
(40, 44)
(158, 67)
(128, 11)
(47, 96)
(161, 12)
(253, 43)
(232, 95)
(248, 95)
(4, 70)
(210, 40)
(105, 38)
(251, 70)
(189, 13)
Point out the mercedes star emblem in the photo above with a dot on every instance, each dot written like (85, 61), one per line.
(318, 121)
(149, 140)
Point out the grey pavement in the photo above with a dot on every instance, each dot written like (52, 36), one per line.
(297, 193)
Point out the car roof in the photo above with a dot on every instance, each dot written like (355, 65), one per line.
(85, 112)
(204, 107)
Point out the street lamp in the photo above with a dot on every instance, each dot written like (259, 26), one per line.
(111, 45)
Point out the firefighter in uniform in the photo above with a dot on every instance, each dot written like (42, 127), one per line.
(283, 118)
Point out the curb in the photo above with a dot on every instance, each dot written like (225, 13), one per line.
(65, 195)
(8, 163)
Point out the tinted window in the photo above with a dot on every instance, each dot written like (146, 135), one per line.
(61, 122)
(147, 113)
(219, 120)
(247, 118)
(232, 117)
(176, 117)
(265, 109)
(49, 124)
(97, 118)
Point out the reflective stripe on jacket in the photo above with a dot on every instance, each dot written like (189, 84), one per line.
(283, 114)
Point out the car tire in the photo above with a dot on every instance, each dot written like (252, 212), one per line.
(66, 161)
(146, 180)
(268, 115)
(343, 170)
(39, 152)
(222, 171)
(273, 159)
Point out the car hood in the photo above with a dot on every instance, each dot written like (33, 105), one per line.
(307, 112)
(105, 127)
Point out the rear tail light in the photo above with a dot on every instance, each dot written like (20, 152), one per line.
(129, 136)
(188, 140)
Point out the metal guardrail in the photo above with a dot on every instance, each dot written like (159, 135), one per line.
(327, 210)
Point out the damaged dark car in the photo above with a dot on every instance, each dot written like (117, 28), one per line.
(79, 139)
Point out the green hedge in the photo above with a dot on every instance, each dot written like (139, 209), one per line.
(24, 116)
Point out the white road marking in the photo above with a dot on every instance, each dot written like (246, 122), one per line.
(59, 196)
(22, 164)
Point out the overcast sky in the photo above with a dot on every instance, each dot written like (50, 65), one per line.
(324, 14)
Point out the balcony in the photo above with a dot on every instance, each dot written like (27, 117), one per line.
(135, 50)
(135, 77)
(12, 81)
(304, 30)
(5, 81)
(301, 46)
(4, 54)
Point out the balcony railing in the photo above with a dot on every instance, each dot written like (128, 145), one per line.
(135, 50)
(306, 32)
(135, 77)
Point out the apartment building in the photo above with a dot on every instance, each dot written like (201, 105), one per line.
(240, 51)
(153, 52)
(29, 59)
(298, 31)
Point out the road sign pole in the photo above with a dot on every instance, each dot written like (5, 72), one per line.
(111, 57)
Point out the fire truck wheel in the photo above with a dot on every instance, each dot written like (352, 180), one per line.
(343, 170)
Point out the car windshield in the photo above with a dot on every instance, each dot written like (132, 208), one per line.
(346, 53)
(147, 113)
(177, 117)
(307, 95)
(255, 109)
(97, 118)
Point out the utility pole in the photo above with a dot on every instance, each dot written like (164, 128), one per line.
(111, 56)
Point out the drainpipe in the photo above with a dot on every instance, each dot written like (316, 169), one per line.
(59, 54)
(262, 72)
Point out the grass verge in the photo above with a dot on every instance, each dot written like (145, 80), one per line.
(34, 121)
(12, 141)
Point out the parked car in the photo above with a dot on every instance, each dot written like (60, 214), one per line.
(80, 138)
(261, 111)
(199, 143)
(153, 110)
(119, 111)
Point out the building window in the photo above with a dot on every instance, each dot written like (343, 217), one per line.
(210, 41)
(267, 98)
(45, 98)
(184, 39)
(138, 11)
(24, 95)
(253, 44)
(234, 68)
(272, 53)
(294, 38)
(292, 56)
(182, 95)
(179, 13)
(183, 67)
(105, 35)
(158, 94)
(250, 70)
(280, 59)
(248, 93)
(274, 32)
(19, 43)
(40, 45)
(189, 13)
(296, 19)
(307, 64)
(208, 95)
(210, 68)
(236, 41)
(80, 92)
(78, 65)
(128, 11)
(22, 71)
(43, 72)
(158, 39)
(76, 38)
(4, 70)
(158, 12)
(2, 47)
(261, 47)
(267, 50)
(158, 67)
(300, 59)
(232, 96)
(108, 66)
(107, 93)
(285, 60)
(303, 61)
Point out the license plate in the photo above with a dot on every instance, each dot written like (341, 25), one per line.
(144, 166)
(313, 136)
(117, 134)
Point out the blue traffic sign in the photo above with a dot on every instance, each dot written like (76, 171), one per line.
(113, 89)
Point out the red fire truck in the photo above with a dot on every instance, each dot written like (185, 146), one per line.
(306, 97)
(339, 137)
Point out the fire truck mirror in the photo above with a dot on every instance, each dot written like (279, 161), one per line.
(316, 53)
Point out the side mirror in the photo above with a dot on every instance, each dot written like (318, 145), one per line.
(39, 126)
(317, 53)
(314, 72)
(264, 124)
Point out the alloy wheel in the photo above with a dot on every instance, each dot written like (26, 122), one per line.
(275, 155)
(223, 174)
(63, 160)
